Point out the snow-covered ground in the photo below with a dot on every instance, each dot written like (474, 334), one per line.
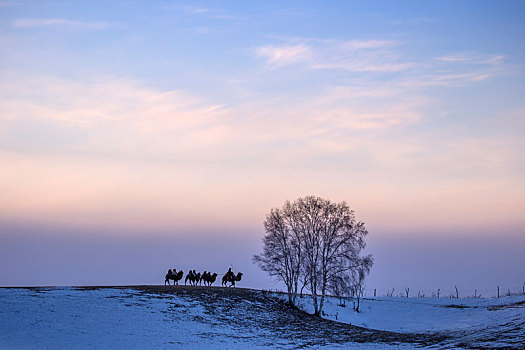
(491, 322)
(220, 318)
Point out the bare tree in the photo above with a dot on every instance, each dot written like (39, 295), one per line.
(331, 241)
(318, 243)
(281, 255)
(339, 288)
(351, 282)
(358, 277)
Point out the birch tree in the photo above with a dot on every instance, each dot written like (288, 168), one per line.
(332, 241)
(281, 257)
(317, 242)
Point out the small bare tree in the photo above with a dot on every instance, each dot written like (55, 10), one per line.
(339, 288)
(359, 280)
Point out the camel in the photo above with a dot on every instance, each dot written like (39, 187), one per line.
(230, 277)
(193, 277)
(197, 278)
(208, 278)
(175, 276)
(189, 277)
(168, 276)
(203, 278)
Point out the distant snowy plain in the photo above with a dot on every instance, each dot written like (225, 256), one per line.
(145, 317)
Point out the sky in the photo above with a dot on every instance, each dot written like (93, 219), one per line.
(138, 136)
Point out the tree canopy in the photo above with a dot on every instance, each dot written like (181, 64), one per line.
(317, 243)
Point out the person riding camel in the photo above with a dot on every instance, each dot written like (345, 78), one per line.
(170, 273)
(230, 272)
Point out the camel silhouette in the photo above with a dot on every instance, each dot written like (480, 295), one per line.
(208, 278)
(175, 276)
(230, 277)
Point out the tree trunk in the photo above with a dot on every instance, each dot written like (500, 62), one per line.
(323, 293)
(313, 289)
(316, 308)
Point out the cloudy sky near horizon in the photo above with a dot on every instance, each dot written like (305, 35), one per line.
(157, 118)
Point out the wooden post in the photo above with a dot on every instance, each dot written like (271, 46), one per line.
(407, 290)
(498, 291)
(438, 292)
(457, 293)
(390, 293)
(374, 292)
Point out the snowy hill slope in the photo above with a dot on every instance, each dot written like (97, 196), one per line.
(467, 322)
(185, 317)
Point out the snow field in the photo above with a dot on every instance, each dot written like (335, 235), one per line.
(201, 318)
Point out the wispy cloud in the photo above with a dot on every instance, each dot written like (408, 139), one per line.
(58, 22)
(112, 150)
(367, 44)
(277, 56)
(411, 21)
(205, 11)
(193, 9)
(370, 57)
(361, 56)
(472, 58)
(351, 55)
(447, 79)
(116, 115)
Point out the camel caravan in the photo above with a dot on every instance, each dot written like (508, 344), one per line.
(207, 278)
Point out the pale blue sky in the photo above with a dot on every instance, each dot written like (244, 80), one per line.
(163, 118)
